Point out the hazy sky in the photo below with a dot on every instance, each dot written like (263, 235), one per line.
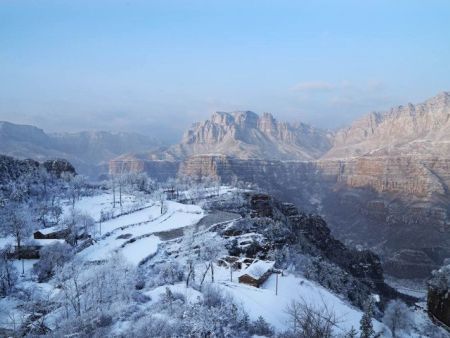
(157, 66)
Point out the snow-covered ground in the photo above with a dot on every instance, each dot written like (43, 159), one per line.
(272, 307)
(103, 202)
(133, 233)
(140, 226)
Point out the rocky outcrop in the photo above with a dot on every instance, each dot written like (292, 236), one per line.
(12, 169)
(58, 167)
(310, 235)
(438, 300)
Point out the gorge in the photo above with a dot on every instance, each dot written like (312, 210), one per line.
(381, 183)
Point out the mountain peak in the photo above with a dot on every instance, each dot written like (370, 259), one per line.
(443, 98)
(245, 134)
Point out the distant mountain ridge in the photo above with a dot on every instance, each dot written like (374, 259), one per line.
(246, 135)
(86, 150)
(417, 130)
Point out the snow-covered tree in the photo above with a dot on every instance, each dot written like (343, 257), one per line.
(8, 273)
(261, 328)
(70, 282)
(18, 222)
(169, 272)
(352, 333)
(52, 257)
(79, 224)
(188, 245)
(397, 317)
(75, 186)
(366, 326)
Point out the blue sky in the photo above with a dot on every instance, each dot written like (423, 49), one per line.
(157, 66)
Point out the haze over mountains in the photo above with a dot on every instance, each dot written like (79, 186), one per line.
(87, 150)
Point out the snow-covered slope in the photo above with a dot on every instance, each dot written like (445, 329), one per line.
(159, 242)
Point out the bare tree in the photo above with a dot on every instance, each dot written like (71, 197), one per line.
(19, 223)
(76, 184)
(210, 251)
(192, 255)
(162, 200)
(311, 320)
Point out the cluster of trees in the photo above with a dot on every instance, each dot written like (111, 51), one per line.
(31, 201)
(321, 321)
(213, 315)
(200, 251)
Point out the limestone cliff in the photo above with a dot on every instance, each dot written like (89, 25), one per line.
(247, 135)
(415, 130)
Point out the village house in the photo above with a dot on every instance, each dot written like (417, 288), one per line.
(51, 233)
(257, 273)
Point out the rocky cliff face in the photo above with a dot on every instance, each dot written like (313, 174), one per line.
(422, 129)
(388, 205)
(247, 135)
(159, 170)
(438, 301)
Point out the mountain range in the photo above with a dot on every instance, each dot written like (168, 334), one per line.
(417, 130)
(89, 151)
